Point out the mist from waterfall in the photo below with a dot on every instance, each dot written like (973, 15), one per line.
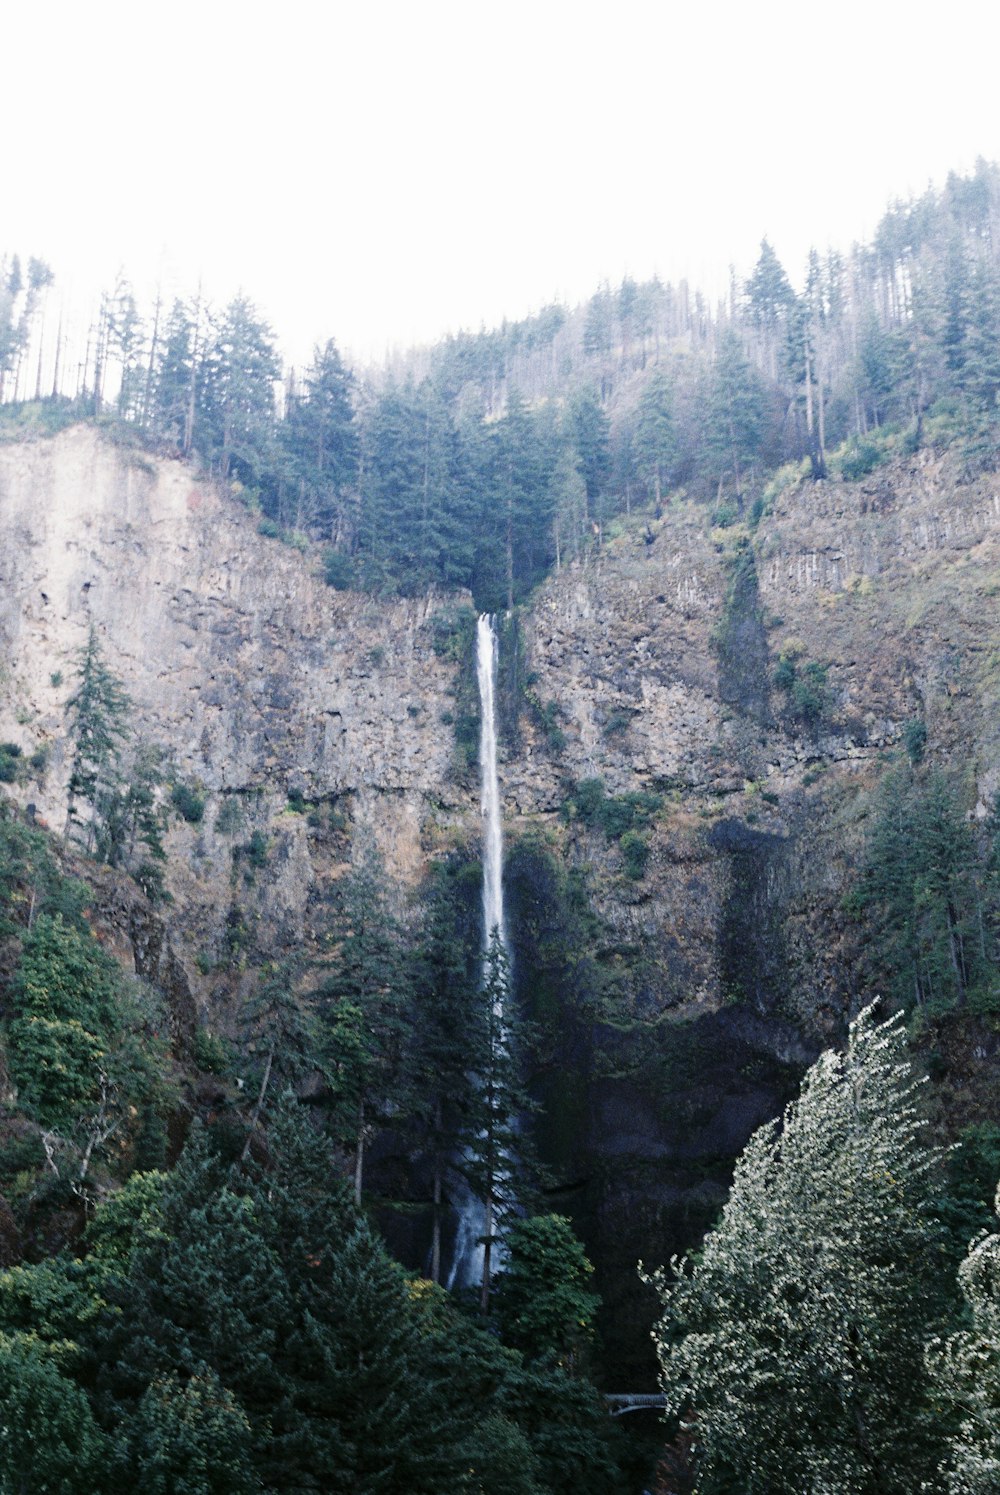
(467, 1262)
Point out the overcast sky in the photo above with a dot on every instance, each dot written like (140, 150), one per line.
(386, 172)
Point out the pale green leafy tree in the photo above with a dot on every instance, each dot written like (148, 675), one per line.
(967, 1370)
(792, 1346)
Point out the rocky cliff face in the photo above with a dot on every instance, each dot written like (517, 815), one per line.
(650, 667)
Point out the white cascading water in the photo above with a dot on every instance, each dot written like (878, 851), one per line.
(467, 1263)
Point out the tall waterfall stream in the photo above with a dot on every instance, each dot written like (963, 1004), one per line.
(467, 1264)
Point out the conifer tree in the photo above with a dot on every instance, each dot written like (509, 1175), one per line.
(655, 437)
(362, 1007)
(98, 710)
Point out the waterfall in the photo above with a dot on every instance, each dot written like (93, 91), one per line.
(489, 794)
(467, 1263)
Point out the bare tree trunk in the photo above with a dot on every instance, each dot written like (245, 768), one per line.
(436, 1227)
(484, 1295)
(258, 1107)
(148, 391)
(359, 1156)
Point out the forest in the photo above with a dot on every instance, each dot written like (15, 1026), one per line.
(486, 460)
(197, 1294)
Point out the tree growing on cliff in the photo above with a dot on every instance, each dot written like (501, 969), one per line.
(98, 712)
(793, 1345)
(362, 1009)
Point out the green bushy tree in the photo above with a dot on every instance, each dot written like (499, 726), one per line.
(792, 1345)
(544, 1302)
(966, 1370)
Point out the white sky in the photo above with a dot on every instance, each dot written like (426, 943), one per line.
(386, 172)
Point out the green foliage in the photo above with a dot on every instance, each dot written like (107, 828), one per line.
(80, 1048)
(793, 1344)
(189, 802)
(567, 1426)
(915, 741)
(11, 763)
(191, 1437)
(966, 1370)
(128, 1220)
(337, 570)
(362, 1005)
(920, 893)
(50, 1443)
(805, 686)
(635, 855)
(98, 709)
(256, 849)
(544, 1302)
(230, 817)
(859, 457)
(30, 880)
(615, 815)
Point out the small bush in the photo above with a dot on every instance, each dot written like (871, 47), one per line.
(188, 802)
(255, 850)
(915, 740)
(860, 457)
(56, 679)
(13, 766)
(725, 515)
(338, 570)
(270, 529)
(230, 816)
(805, 686)
(211, 1053)
(635, 855)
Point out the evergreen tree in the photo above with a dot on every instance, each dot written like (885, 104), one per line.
(655, 437)
(189, 1437)
(99, 710)
(445, 1032)
(792, 1345)
(50, 1443)
(592, 431)
(544, 1302)
(362, 1008)
(920, 893)
(320, 443)
(171, 415)
(236, 398)
(734, 435)
(567, 502)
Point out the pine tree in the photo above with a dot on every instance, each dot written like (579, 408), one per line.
(236, 397)
(655, 437)
(362, 1008)
(734, 419)
(99, 710)
(320, 443)
(793, 1344)
(445, 1030)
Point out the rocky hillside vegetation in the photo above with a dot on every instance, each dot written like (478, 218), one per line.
(704, 729)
